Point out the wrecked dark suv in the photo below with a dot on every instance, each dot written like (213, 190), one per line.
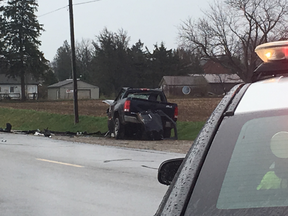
(142, 113)
(238, 165)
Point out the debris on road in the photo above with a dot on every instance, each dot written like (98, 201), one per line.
(49, 133)
(7, 129)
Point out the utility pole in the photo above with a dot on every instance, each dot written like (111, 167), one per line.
(73, 60)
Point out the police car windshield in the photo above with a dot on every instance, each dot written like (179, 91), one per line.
(246, 169)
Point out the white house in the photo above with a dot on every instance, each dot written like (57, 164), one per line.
(11, 87)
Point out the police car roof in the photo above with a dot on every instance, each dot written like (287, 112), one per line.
(269, 94)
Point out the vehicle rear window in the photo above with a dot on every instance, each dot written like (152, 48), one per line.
(146, 96)
(246, 169)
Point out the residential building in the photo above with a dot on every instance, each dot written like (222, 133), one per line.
(10, 87)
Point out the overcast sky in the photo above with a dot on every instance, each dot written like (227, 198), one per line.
(151, 21)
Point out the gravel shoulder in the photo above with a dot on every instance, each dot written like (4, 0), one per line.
(177, 146)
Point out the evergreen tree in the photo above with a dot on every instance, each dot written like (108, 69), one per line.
(22, 31)
(49, 78)
(2, 41)
(62, 62)
(189, 62)
(139, 65)
(162, 62)
(112, 66)
(2, 28)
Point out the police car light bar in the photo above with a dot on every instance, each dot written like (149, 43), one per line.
(273, 51)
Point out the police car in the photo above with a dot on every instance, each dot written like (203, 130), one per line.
(238, 165)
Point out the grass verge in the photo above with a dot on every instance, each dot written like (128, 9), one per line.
(21, 119)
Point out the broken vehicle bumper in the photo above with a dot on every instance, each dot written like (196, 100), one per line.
(134, 119)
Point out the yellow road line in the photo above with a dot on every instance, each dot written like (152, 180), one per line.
(57, 162)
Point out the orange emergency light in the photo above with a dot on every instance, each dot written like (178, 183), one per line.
(273, 51)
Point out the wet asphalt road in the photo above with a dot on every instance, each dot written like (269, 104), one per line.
(40, 176)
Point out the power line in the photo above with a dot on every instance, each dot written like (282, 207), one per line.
(53, 11)
(88, 2)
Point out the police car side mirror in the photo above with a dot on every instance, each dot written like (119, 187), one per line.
(168, 169)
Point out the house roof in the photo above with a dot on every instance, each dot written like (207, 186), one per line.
(61, 83)
(29, 79)
(67, 82)
(220, 78)
(182, 80)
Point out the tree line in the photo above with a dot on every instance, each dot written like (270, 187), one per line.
(109, 62)
(228, 34)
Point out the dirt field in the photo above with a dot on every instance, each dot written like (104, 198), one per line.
(196, 109)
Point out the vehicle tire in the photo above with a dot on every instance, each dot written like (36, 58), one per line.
(118, 129)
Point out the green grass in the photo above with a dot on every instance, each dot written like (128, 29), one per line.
(189, 130)
(31, 120)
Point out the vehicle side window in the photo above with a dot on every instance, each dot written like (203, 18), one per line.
(242, 172)
(155, 97)
(159, 98)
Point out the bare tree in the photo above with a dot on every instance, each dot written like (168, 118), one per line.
(230, 31)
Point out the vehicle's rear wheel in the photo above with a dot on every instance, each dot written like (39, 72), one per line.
(118, 129)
